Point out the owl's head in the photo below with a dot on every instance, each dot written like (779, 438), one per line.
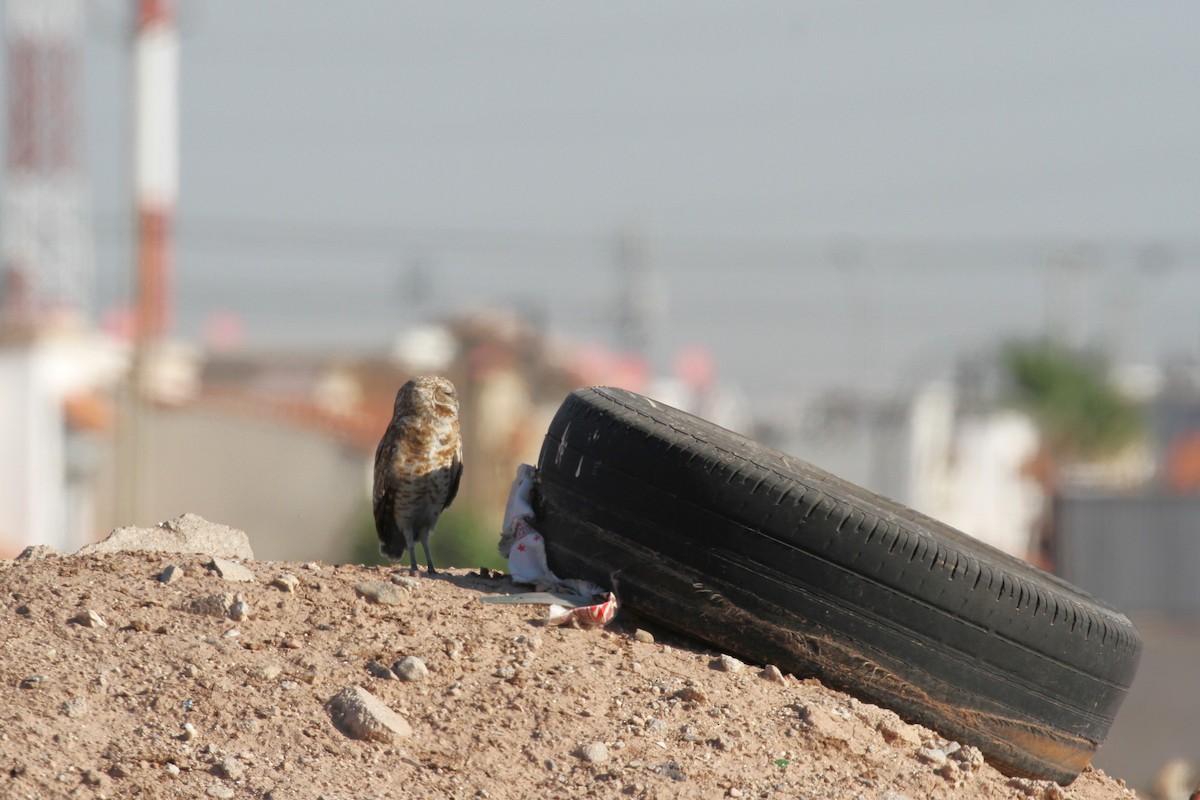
(430, 395)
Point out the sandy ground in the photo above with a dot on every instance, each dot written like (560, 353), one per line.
(206, 686)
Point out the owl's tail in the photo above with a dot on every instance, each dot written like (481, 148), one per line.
(392, 547)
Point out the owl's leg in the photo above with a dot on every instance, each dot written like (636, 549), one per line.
(412, 551)
(428, 557)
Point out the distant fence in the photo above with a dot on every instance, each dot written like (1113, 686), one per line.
(1137, 553)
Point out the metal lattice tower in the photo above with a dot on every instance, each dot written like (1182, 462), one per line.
(45, 240)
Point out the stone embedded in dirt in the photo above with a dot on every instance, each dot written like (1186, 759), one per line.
(594, 752)
(212, 605)
(267, 672)
(411, 668)
(692, 694)
(771, 673)
(286, 582)
(405, 581)
(896, 731)
(384, 593)
(360, 715)
(32, 682)
(933, 756)
(89, 619)
(643, 636)
(377, 670)
(75, 707)
(240, 609)
(220, 791)
(727, 663)
(229, 769)
(185, 534)
(36, 551)
(170, 574)
(231, 570)
(969, 758)
(670, 770)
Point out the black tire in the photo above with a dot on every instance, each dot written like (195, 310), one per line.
(772, 559)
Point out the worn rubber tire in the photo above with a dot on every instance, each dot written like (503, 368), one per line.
(770, 558)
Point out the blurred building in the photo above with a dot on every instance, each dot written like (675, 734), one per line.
(56, 421)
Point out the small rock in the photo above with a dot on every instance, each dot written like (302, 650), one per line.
(771, 673)
(220, 790)
(594, 753)
(240, 609)
(377, 670)
(24, 610)
(188, 533)
(229, 769)
(896, 731)
(120, 770)
(388, 594)
(670, 770)
(170, 574)
(969, 758)
(286, 582)
(933, 756)
(75, 708)
(689, 734)
(93, 778)
(506, 672)
(360, 715)
(231, 570)
(727, 663)
(36, 551)
(950, 772)
(410, 668)
(691, 694)
(189, 732)
(171, 769)
(405, 581)
(643, 636)
(890, 795)
(89, 619)
(267, 672)
(722, 742)
(32, 682)
(656, 725)
(212, 605)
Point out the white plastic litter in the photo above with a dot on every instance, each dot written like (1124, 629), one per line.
(519, 542)
(525, 550)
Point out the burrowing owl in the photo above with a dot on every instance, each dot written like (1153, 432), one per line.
(417, 467)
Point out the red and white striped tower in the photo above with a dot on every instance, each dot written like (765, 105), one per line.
(156, 161)
(46, 244)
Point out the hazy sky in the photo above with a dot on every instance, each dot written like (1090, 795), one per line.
(770, 154)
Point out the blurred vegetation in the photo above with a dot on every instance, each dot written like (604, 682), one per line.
(1081, 416)
(463, 538)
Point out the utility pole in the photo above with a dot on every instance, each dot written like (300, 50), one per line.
(156, 161)
(155, 185)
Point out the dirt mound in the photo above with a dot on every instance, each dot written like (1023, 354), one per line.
(163, 675)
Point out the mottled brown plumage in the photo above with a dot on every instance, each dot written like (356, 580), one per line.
(417, 467)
